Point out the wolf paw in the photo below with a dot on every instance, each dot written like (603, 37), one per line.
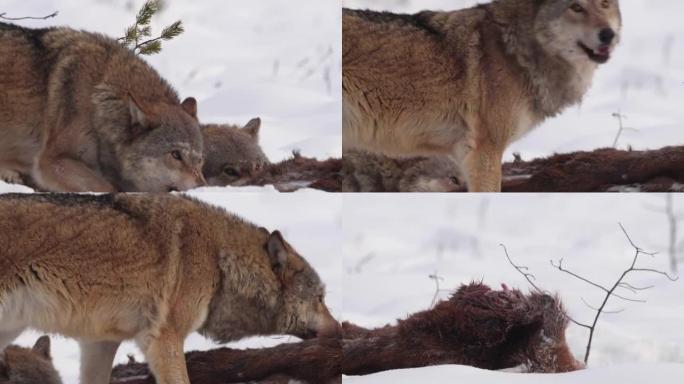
(11, 177)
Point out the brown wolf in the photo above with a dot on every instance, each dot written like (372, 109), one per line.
(467, 83)
(152, 268)
(232, 155)
(80, 112)
(367, 172)
(28, 365)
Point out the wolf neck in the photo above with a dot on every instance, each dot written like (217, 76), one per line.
(555, 83)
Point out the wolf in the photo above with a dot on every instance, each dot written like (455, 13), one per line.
(232, 155)
(152, 268)
(467, 83)
(367, 172)
(80, 112)
(28, 365)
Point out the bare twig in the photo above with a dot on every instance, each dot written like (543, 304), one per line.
(523, 270)
(619, 116)
(4, 17)
(610, 292)
(529, 277)
(437, 279)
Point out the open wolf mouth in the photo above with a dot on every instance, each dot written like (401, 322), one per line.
(601, 56)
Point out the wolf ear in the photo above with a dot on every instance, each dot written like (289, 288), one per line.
(189, 105)
(138, 117)
(42, 347)
(252, 128)
(277, 251)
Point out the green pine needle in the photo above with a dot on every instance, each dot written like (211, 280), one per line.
(172, 30)
(147, 11)
(151, 48)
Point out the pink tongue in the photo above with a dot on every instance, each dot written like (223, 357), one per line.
(604, 50)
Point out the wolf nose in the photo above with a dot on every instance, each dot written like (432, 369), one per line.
(607, 35)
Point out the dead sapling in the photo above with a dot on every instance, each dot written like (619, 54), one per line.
(620, 118)
(3, 16)
(610, 291)
(673, 218)
(138, 37)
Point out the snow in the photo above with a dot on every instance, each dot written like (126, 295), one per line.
(623, 374)
(240, 59)
(643, 81)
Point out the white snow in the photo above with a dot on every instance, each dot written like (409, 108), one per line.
(643, 81)
(623, 374)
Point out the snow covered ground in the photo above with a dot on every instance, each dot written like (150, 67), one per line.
(239, 58)
(310, 221)
(392, 243)
(644, 81)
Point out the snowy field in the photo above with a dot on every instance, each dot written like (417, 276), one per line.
(643, 81)
(392, 243)
(239, 58)
(310, 221)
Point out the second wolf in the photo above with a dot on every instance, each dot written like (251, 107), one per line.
(467, 83)
(232, 155)
(152, 268)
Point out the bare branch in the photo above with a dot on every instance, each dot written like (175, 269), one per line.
(522, 269)
(610, 292)
(4, 17)
(437, 279)
(596, 308)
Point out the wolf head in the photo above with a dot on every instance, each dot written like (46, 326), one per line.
(278, 293)
(155, 146)
(166, 152)
(579, 30)
(303, 311)
(232, 154)
(28, 366)
(433, 174)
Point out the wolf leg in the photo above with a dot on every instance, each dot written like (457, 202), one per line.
(96, 361)
(10, 176)
(483, 169)
(62, 174)
(7, 337)
(164, 355)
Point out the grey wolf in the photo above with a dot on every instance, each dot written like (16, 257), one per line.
(467, 83)
(150, 268)
(79, 112)
(232, 155)
(367, 172)
(20, 365)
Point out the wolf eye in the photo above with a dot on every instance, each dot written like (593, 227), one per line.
(605, 3)
(177, 155)
(577, 8)
(230, 171)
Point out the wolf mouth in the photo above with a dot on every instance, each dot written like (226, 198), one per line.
(601, 57)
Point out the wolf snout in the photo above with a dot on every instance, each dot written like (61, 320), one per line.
(606, 36)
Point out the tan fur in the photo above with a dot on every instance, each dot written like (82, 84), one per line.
(79, 112)
(232, 155)
(366, 172)
(28, 365)
(152, 268)
(466, 83)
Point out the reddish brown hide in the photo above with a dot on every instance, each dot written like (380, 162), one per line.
(476, 326)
